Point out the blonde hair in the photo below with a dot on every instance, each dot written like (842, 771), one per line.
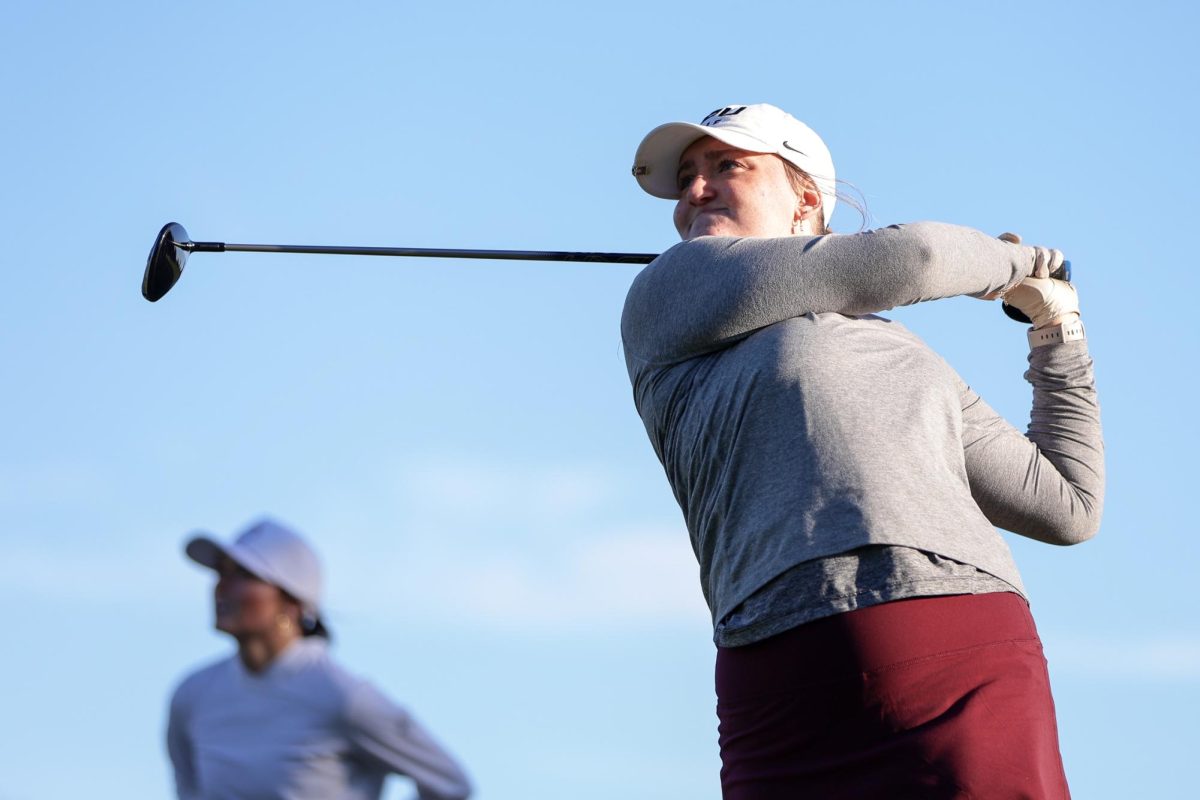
(802, 182)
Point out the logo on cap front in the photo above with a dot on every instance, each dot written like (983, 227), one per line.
(722, 115)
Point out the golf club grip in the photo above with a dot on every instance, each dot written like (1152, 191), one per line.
(1014, 313)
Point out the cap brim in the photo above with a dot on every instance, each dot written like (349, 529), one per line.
(656, 165)
(208, 552)
(204, 550)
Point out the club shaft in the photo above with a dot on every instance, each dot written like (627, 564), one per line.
(423, 252)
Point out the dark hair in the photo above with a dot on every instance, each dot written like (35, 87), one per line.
(314, 626)
(310, 623)
(801, 182)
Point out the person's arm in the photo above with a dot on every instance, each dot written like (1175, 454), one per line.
(179, 749)
(710, 292)
(388, 735)
(1047, 484)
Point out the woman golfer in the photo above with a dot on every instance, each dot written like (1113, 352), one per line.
(280, 719)
(840, 482)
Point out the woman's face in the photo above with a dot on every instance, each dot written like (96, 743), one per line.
(244, 603)
(732, 192)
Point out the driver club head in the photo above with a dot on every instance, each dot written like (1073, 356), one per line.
(166, 261)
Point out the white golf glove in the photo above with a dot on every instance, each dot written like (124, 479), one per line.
(1043, 299)
(1040, 297)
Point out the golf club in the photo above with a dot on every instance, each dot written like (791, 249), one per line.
(172, 247)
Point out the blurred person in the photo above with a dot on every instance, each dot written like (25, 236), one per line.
(280, 718)
(841, 484)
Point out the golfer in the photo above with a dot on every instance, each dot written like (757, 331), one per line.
(281, 719)
(841, 483)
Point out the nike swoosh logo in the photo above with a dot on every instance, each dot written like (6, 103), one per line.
(794, 150)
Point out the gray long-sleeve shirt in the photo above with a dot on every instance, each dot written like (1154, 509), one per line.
(303, 729)
(793, 426)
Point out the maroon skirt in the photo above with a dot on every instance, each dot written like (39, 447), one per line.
(937, 697)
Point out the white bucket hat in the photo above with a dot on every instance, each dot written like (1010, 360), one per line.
(759, 128)
(277, 555)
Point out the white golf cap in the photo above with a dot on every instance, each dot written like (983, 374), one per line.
(274, 553)
(758, 128)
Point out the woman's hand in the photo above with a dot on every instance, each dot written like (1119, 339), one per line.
(1045, 300)
(1046, 261)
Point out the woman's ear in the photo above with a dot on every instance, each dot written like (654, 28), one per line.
(291, 607)
(807, 216)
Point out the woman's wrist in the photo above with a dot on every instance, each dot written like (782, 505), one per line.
(1062, 319)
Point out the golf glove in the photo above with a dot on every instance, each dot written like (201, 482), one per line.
(1043, 299)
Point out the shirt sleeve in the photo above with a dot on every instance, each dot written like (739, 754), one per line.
(388, 735)
(707, 293)
(1047, 484)
(179, 749)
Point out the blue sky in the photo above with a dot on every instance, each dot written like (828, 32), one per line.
(458, 438)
